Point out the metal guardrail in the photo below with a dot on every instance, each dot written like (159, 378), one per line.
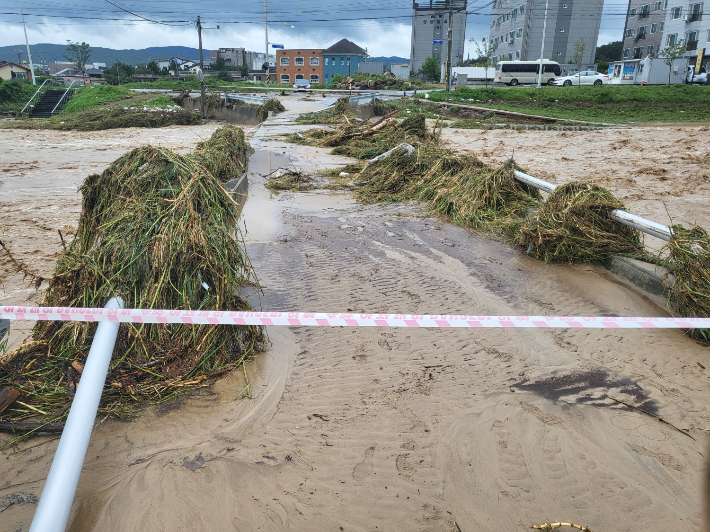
(57, 496)
(33, 96)
(640, 224)
(63, 96)
(249, 99)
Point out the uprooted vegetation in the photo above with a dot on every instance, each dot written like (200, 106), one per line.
(340, 112)
(157, 229)
(405, 162)
(274, 105)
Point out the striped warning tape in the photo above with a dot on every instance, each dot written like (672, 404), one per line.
(325, 319)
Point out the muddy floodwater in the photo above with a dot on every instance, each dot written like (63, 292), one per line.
(370, 429)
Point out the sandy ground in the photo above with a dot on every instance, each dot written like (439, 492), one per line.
(660, 173)
(364, 430)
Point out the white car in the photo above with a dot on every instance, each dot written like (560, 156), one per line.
(588, 77)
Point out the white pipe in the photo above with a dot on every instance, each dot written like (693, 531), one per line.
(52, 512)
(640, 224)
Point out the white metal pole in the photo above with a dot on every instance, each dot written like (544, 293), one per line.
(542, 47)
(27, 41)
(55, 503)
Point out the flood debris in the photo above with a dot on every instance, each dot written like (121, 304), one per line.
(573, 225)
(688, 280)
(290, 180)
(340, 112)
(157, 229)
(274, 105)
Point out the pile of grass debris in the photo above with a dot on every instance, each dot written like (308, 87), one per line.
(366, 141)
(688, 280)
(339, 113)
(291, 180)
(225, 154)
(274, 105)
(573, 225)
(160, 231)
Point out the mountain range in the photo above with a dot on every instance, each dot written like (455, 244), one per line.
(55, 52)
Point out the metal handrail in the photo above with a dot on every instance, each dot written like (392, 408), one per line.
(63, 96)
(33, 96)
(52, 513)
(640, 224)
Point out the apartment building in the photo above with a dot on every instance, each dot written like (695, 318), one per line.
(517, 29)
(430, 25)
(299, 64)
(643, 31)
(687, 23)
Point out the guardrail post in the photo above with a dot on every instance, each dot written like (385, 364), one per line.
(57, 496)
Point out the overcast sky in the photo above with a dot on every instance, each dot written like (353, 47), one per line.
(304, 24)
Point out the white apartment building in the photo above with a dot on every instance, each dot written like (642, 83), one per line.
(686, 22)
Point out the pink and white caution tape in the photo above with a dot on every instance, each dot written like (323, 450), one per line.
(324, 319)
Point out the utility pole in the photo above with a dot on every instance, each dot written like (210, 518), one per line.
(118, 70)
(19, 57)
(450, 35)
(29, 55)
(542, 48)
(266, 42)
(202, 83)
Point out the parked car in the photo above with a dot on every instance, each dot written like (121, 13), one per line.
(700, 78)
(587, 77)
(302, 85)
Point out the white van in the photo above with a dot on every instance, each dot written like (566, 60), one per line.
(516, 72)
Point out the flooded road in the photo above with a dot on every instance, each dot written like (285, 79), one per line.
(404, 429)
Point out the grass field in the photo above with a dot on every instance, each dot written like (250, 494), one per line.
(15, 94)
(611, 104)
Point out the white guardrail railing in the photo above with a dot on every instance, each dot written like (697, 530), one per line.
(641, 224)
(52, 512)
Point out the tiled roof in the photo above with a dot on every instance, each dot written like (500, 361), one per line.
(345, 46)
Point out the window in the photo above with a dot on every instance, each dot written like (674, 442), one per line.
(649, 51)
(325, 61)
(654, 27)
(342, 61)
(299, 61)
(512, 35)
(637, 53)
(315, 78)
(633, 12)
(520, 33)
(562, 30)
(695, 12)
(645, 11)
(629, 32)
(348, 61)
(299, 76)
(559, 53)
(517, 55)
(564, 6)
(665, 4)
(675, 13)
(625, 54)
(661, 28)
(285, 78)
(641, 32)
(691, 36)
(708, 37)
(315, 61)
(657, 6)
(522, 9)
(671, 39)
(284, 61)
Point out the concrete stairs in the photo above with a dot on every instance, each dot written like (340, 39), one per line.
(43, 109)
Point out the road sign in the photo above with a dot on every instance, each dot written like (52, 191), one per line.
(438, 42)
(279, 46)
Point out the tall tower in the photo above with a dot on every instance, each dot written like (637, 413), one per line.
(430, 23)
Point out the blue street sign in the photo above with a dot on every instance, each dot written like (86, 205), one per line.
(280, 46)
(438, 42)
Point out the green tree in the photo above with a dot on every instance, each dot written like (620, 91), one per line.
(244, 70)
(119, 74)
(78, 53)
(218, 65)
(153, 67)
(577, 56)
(670, 54)
(224, 75)
(609, 52)
(431, 68)
(485, 50)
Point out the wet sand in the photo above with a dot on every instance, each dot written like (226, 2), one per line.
(362, 429)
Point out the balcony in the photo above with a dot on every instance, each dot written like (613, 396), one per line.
(691, 45)
(637, 54)
(639, 37)
(644, 14)
(694, 17)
